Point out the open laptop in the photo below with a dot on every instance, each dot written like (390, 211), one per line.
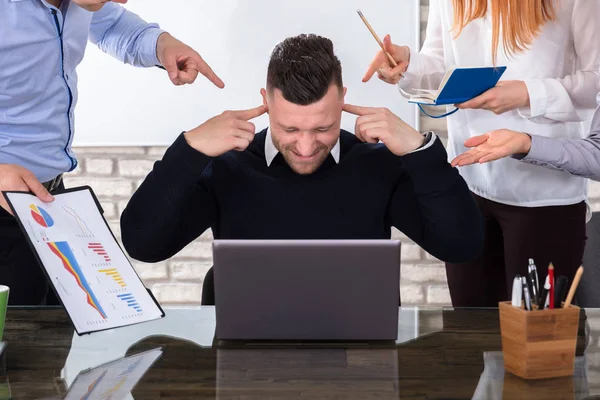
(309, 290)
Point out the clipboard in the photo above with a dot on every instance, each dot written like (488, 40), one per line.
(114, 379)
(83, 261)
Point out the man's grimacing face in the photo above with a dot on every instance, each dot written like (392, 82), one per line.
(304, 135)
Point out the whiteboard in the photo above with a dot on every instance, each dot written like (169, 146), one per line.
(121, 105)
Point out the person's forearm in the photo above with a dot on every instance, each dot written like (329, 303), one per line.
(570, 97)
(579, 157)
(567, 99)
(125, 36)
(171, 208)
(435, 208)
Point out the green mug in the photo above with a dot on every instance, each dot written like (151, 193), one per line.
(4, 291)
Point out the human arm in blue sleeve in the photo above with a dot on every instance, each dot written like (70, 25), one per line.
(579, 157)
(125, 36)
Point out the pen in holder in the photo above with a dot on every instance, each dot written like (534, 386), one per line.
(539, 344)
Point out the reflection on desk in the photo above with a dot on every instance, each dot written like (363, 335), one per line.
(197, 325)
(113, 380)
(450, 354)
(495, 384)
(310, 373)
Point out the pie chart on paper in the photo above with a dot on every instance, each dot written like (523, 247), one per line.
(41, 216)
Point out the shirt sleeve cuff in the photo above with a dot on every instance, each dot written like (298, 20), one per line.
(541, 147)
(538, 99)
(149, 46)
(413, 71)
(185, 163)
(427, 145)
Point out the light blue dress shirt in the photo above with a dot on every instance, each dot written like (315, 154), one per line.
(40, 48)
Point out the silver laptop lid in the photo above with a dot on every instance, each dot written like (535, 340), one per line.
(307, 289)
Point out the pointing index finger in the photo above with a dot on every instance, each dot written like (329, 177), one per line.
(251, 113)
(358, 110)
(208, 72)
(379, 61)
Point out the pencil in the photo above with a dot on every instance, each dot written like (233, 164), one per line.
(389, 56)
(574, 286)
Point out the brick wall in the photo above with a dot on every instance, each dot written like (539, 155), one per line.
(115, 172)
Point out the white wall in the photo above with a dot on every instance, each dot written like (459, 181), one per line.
(236, 37)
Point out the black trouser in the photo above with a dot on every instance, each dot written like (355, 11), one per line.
(513, 235)
(19, 268)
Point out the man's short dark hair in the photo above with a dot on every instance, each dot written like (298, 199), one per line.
(303, 67)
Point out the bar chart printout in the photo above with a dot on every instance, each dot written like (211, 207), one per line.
(114, 274)
(89, 271)
(131, 302)
(98, 248)
(114, 380)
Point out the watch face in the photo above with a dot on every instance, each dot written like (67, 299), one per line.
(427, 137)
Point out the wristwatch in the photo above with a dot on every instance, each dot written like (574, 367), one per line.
(428, 136)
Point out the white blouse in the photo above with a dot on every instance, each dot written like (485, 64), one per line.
(561, 70)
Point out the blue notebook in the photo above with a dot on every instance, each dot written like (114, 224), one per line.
(459, 85)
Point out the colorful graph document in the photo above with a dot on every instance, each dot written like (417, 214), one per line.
(94, 279)
(113, 380)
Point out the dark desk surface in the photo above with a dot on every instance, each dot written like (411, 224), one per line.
(439, 354)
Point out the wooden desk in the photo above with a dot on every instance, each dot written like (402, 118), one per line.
(454, 354)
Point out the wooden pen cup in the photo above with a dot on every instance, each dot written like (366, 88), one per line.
(540, 343)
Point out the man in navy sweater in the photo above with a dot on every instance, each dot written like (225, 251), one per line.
(303, 177)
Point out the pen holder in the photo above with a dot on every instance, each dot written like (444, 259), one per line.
(538, 344)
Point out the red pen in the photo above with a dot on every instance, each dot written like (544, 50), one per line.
(551, 279)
